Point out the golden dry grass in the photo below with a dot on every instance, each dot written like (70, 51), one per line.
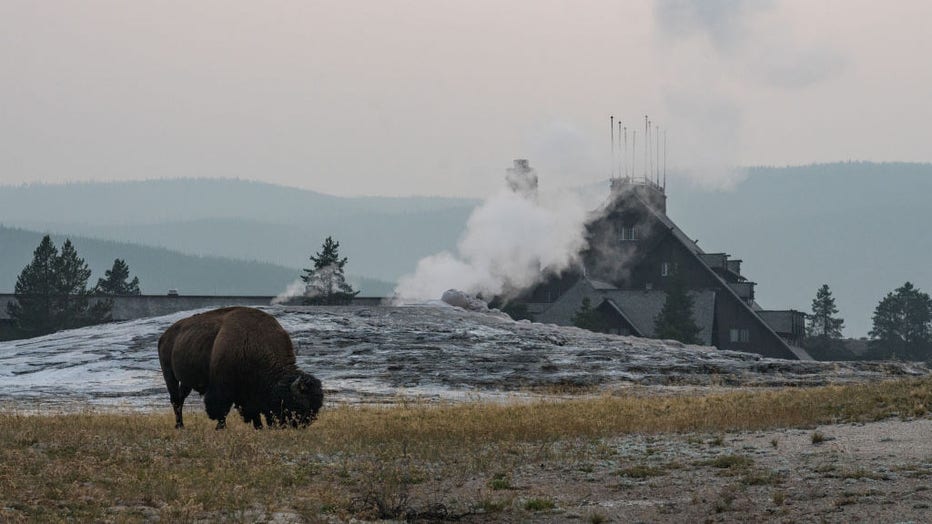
(365, 461)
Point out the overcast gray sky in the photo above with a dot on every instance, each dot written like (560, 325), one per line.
(436, 97)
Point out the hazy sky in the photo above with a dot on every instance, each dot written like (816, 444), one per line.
(436, 97)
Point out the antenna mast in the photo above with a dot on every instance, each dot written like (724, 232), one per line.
(626, 152)
(611, 125)
(646, 146)
(657, 150)
(664, 160)
(634, 152)
(621, 156)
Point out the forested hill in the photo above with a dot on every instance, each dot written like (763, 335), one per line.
(160, 269)
(382, 237)
(186, 199)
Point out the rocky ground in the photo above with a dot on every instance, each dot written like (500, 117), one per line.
(378, 354)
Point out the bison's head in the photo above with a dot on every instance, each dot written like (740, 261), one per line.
(300, 398)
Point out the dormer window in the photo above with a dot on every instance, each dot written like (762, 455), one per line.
(628, 233)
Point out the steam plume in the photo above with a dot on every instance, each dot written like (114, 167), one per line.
(511, 240)
(294, 289)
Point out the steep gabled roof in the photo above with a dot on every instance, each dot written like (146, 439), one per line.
(620, 312)
(693, 248)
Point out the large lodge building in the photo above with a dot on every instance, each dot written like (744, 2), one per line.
(634, 250)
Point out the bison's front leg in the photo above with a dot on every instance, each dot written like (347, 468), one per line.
(218, 403)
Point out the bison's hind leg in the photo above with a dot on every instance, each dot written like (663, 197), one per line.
(178, 404)
(177, 393)
(218, 403)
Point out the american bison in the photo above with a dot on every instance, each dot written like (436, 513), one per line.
(238, 356)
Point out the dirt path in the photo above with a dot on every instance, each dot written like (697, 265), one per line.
(875, 472)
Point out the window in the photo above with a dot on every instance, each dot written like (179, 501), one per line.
(629, 233)
(739, 335)
(665, 269)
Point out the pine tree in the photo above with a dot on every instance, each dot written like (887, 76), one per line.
(115, 281)
(34, 311)
(903, 324)
(587, 317)
(51, 292)
(675, 321)
(73, 274)
(822, 322)
(325, 283)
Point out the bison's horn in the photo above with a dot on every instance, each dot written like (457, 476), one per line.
(297, 387)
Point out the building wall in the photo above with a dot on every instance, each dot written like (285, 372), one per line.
(789, 324)
(732, 314)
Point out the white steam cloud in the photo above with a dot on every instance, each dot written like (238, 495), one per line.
(326, 281)
(511, 241)
(719, 56)
(294, 290)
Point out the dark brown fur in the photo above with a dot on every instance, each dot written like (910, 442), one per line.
(238, 356)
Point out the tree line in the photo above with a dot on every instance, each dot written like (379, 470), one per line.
(902, 327)
(52, 292)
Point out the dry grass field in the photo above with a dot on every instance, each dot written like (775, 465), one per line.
(544, 460)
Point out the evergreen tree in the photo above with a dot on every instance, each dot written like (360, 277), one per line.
(34, 311)
(115, 281)
(822, 322)
(325, 283)
(51, 292)
(675, 321)
(73, 274)
(823, 329)
(903, 325)
(587, 317)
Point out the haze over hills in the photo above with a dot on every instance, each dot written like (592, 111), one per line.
(182, 199)
(859, 227)
(245, 220)
(160, 269)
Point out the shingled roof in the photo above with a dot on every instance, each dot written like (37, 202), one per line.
(695, 250)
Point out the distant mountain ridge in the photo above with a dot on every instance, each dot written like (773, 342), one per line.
(185, 199)
(244, 220)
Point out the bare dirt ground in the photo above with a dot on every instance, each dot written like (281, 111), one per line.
(873, 472)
